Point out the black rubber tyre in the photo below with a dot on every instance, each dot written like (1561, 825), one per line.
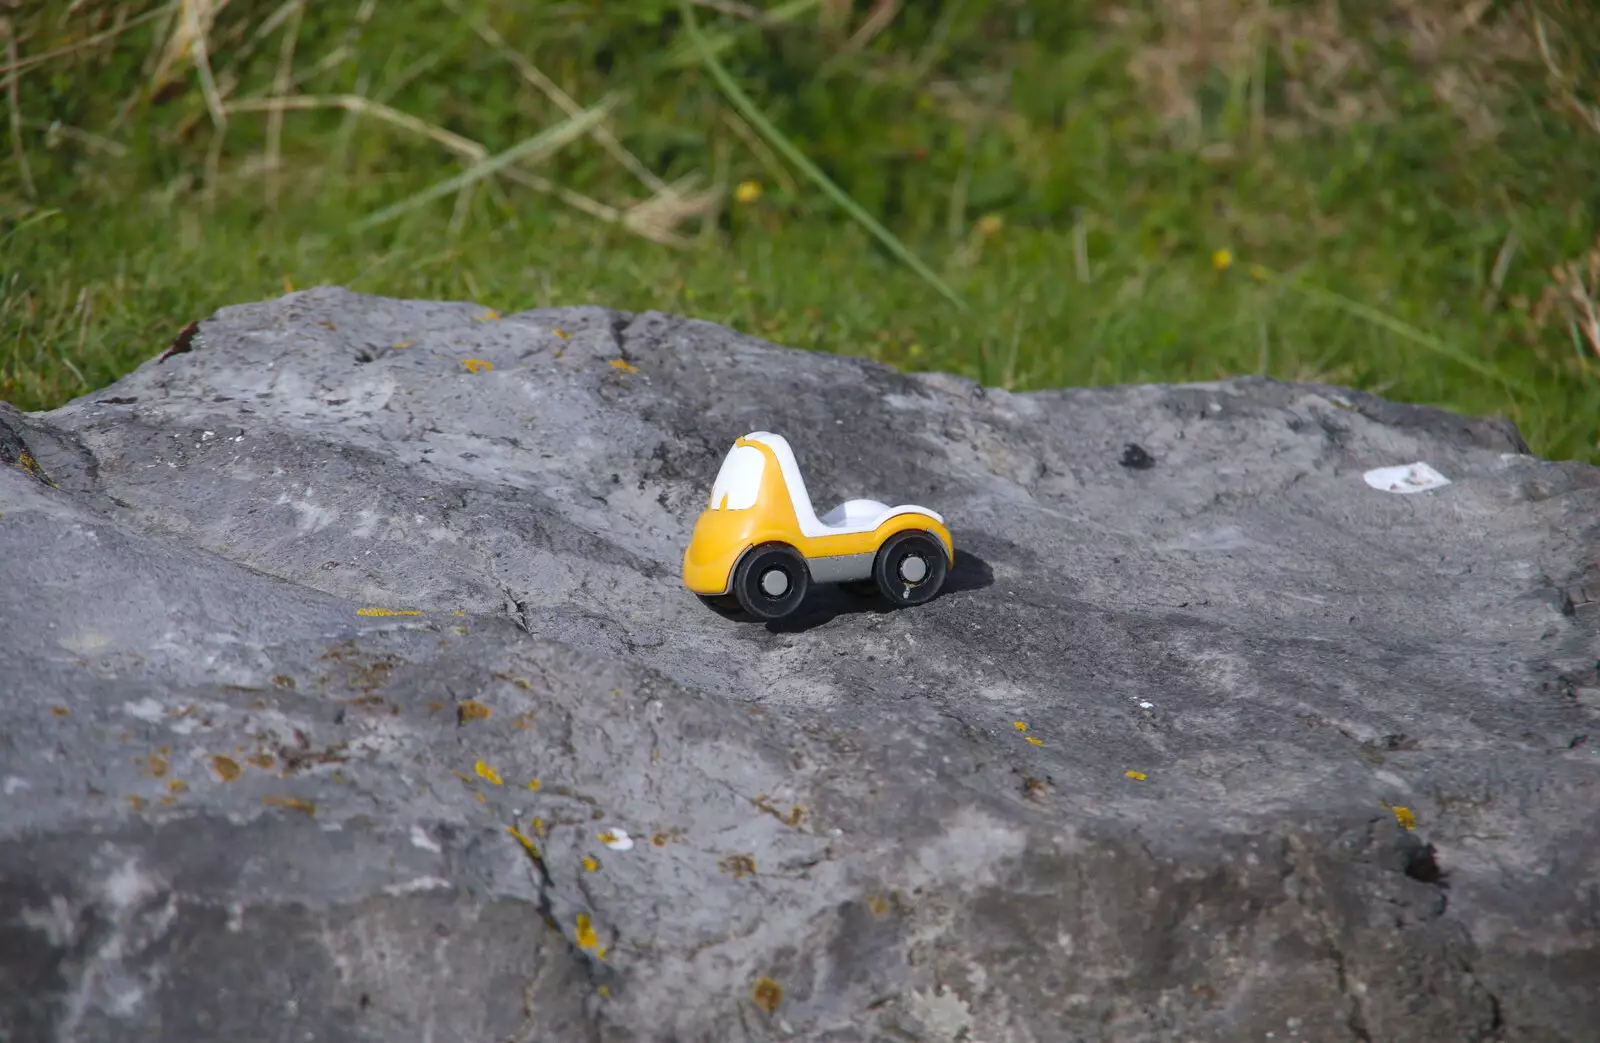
(860, 588)
(771, 581)
(721, 604)
(910, 568)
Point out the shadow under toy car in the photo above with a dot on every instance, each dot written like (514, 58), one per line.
(759, 545)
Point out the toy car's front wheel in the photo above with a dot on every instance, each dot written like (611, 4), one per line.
(771, 581)
(910, 568)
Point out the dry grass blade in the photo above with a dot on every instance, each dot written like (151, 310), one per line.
(883, 12)
(357, 105)
(14, 65)
(538, 147)
(658, 217)
(551, 90)
(14, 106)
(191, 40)
(280, 88)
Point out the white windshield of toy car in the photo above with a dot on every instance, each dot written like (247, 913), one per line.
(739, 480)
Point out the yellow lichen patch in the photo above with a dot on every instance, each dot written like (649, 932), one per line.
(1036, 742)
(136, 802)
(624, 365)
(305, 807)
(61, 711)
(1020, 726)
(660, 839)
(477, 365)
(472, 710)
(262, 760)
(399, 344)
(26, 461)
(156, 765)
(767, 994)
(586, 936)
(177, 786)
(537, 825)
(460, 614)
(604, 991)
(168, 801)
(590, 864)
(878, 905)
(738, 866)
(486, 772)
(1404, 816)
(563, 334)
(534, 784)
(481, 798)
(227, 768)
(388, 612)
(794, 816)
(488, 315)
(522, 722)
(524, 840)
(1136, 776)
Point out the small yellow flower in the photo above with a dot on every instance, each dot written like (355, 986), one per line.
(1020, 726)
(1036, 742)
(748, 191)
(533, 784)
(486, 772)
(477, 365)
(590, 864)
(989, 224)
(1222, 259)
(1404, 816)
(1136, 776)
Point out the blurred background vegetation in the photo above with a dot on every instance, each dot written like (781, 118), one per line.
(1396, 195)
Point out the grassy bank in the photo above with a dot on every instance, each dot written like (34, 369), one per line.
(1388, 194)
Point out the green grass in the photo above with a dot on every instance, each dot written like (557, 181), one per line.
(1014, 156)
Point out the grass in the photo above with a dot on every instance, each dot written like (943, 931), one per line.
(1388, 194)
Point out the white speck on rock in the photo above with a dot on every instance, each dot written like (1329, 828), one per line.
(15, 784)
(945, 1015)
(145, 709)
(420, 838)
(1405, 478)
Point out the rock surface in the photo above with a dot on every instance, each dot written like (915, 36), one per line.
(337, 643)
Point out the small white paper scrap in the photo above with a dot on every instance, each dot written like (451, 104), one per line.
(616, 839)
(1407, 478)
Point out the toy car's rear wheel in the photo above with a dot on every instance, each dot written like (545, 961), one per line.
(910, 568)
(771, 581)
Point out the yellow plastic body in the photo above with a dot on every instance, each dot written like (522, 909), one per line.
(721, 536)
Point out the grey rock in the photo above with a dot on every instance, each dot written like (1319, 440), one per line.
(238, 808)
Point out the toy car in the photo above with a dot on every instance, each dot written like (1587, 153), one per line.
(758, 545)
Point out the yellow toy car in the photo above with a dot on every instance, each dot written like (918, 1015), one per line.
(759, 545)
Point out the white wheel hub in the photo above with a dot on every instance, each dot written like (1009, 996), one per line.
(774, 583)
(913, 569)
